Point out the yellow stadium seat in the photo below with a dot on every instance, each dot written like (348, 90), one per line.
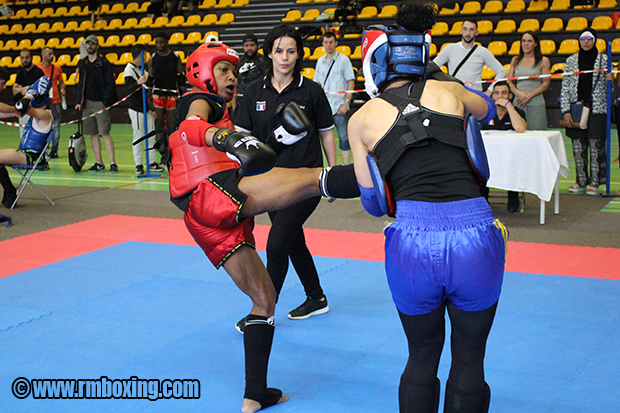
(485, 26)
(10, 44)
(11, 80)
(558, 68)
(39, 43)
(120, 79)
(36, 59)
(193, 38)
(318, 52)
(176, 21)
(553, 24)
(16, 63)
(357, 53)
(116, 8)
(100, 25)
(77, 42)
(456, 28)
(303, 1)
(15, 29)
(112, 57)
(176, 38)
(310, 15)
(207, 4)
(353, 36)
(433, 52)
(20, 14)
(85, 25)
(226, 18)
(538, 5)
(308, 72)
(60, 12)
(344, 49)
(111, 41)
(193, 20)
(514, 6)
(607, 4)
(211, 35)
(33, 14)
(471, 7)
(130, 23)
(24, 44)
(498, 48)
(161, 21)
(208, 20)
(114, 24)
(4, 28)
(128, 40)
(74, 11)
(56, 27)
(70, 26)
(145, 23)
(143, 7)
(449, 11)
(29, 28)
(487, 73)
(569, 46)
(124, 59)
(506, 26)
(222, 4)
(591, 6)
(493, 6)
(547, 46)
(72, 80)
(515, 48)
(602, 23)
(66, 43)
(181, 55)
(576, 24)
(131, 8)
(559, 5)
(615, 46)
(63, 60)
(47, 13)
(240, 3)
(388, 11)
(440, 28)
(6, 61)
(529, 25)
(368, 12)
(53, 42)
(601, 45)
(292, 16)
(145, 38)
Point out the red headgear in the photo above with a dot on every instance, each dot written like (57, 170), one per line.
(200, 64)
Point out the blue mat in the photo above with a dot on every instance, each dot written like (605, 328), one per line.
(163, 312)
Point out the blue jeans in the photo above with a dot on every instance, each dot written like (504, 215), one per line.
(342, 122)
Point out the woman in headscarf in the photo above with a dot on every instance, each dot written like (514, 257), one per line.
(588, 88)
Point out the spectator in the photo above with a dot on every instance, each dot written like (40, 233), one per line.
(284, 83)
(252, 68)
(529, 92)
(95, 9)
(166, 70)
(26, 76)
(590, 90)
(508, 117)
(96, 90)
(334, 73)
(466, 59)
(156, 8)
(57, 92)
(134, 80)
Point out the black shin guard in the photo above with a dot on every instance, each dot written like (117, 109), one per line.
(257, 340)
(339, 182)
(5, 180)
(477, 402)
(413, 398)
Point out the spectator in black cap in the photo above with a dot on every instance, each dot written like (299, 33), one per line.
(252, 67)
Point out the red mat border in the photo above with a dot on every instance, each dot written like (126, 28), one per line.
(87, 236)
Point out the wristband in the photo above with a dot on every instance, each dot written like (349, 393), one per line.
(506, 104)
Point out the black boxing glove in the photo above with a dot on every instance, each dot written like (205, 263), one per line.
(291, 125)
(254, 156)
(22, 106)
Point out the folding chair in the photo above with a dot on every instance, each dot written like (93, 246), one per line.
(26, 172)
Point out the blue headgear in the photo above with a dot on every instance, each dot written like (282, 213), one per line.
(392, 52)
(39, 92)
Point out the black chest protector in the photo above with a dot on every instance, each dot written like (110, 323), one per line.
(414, 126)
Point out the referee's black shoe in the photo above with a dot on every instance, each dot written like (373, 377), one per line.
(312, 306)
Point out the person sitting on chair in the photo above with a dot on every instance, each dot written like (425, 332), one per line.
(34, 103)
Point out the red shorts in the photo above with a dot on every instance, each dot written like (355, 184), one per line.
(212, 217)
(164, 102)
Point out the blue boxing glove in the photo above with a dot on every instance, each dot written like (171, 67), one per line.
(492, 108)
(370, 202)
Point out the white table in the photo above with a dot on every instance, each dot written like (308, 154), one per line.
(527, 162)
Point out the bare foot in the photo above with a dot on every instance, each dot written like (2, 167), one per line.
(252, 406)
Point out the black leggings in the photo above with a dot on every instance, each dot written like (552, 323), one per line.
(426, 335)
(286, 239)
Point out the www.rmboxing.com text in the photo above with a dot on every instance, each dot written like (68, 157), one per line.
(104, 388)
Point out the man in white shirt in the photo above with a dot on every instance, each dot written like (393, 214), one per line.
(471, 69)
(334, 73)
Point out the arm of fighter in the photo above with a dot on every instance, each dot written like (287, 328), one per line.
(478, 104)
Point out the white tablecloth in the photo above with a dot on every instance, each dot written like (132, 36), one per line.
(526, 162)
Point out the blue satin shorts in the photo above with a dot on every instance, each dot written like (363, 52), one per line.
(445, 251)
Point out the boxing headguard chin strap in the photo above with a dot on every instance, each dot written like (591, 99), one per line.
(392, 52)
